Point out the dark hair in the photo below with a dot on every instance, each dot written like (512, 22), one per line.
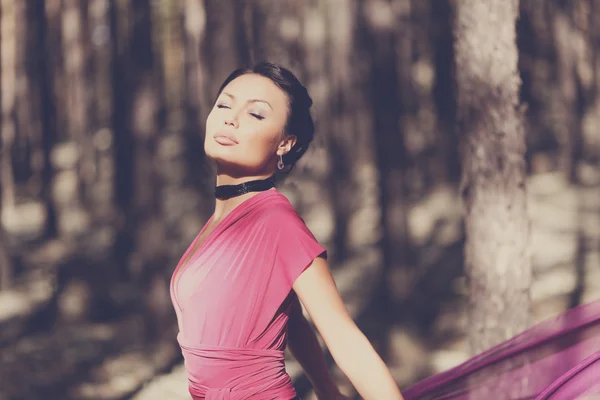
(299, 122)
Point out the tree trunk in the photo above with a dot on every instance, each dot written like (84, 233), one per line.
(197, 100)
(224, 50)
(29, 165)
(170, 155)
(388, 46)
(444, 90)
(276, 32)
(145, 105)
(46, 68)
(120, 20)
(101, 112)
(566, 32)
(497, 256)
(77, 110)
(6, 268)
(137, 105)
(9, 54)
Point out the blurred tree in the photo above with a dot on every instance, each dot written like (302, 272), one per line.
(76, 103)
(537, 66)
(29, 160)
(46, 67)
(138, 111)
(576, 97)
(387, 34)
(6, 273)
(170, 154)
(225, 47)
(440, 30)
(9, 23)
(498, 263)
(556, 63)
(198, 98)
(101, 134)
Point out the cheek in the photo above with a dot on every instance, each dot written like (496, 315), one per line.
(263, 139)
(210, 122)
(209, 144)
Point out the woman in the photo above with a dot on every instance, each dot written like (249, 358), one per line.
(236, 288)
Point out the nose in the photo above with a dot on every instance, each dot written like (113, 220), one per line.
(231, 119)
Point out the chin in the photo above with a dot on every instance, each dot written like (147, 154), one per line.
(218, 152)
(224, 159)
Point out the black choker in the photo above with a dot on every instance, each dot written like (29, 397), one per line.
(228, 191)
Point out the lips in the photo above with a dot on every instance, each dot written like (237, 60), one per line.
(225, 139)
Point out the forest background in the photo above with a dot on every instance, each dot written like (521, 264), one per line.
(104, 182)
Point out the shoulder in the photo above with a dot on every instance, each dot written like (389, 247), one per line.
(277, 206)
(278, 213)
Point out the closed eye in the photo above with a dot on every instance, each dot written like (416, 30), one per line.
(222, 106)
(257, 116)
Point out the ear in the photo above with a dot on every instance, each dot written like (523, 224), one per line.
(286, 145)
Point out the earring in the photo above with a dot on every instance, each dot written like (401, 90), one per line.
(280, 164)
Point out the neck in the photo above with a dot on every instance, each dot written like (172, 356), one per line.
(225, 206)
(227, 179)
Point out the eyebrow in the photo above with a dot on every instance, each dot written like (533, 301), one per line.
(250, 100)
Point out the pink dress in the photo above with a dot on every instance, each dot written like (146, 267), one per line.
(233, 298)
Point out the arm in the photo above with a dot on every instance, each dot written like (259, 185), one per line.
(304, 345)
(349, 347)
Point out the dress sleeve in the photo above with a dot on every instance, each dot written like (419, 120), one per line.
(296, 245)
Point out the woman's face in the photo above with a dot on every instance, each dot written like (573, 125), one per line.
(244, 128)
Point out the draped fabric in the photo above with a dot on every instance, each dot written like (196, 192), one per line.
(558, 359)
(233, 299)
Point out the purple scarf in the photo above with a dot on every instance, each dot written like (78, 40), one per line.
(556, 359)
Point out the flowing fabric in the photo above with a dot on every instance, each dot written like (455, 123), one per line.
(233, 300)
(558, 359)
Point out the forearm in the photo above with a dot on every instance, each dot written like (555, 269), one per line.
(305, 347)
(359, 361)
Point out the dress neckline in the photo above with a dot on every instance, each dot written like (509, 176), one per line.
(225, 222)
